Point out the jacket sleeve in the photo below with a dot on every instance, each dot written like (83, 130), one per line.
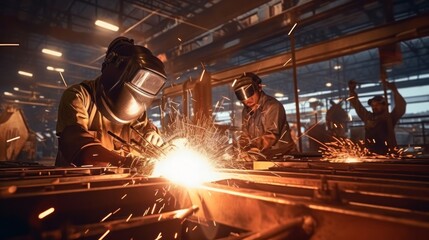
(273, 119)
(244, 138)
(79, 147)
(400, 105)
(357, 105)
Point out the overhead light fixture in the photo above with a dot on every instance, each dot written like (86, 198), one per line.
(55, 69)
(337, 67)
(9, 44)
(52, 52)
(278, 94)
(8, 94)
(25, 73)
(107, 25)
(328, 84)
(16, 89)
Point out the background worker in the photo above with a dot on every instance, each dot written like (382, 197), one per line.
(264, 124)
(379, 124)
(114, 102)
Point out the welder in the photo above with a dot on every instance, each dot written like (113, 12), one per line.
(94, 114)
(264, 124)
(379, 123)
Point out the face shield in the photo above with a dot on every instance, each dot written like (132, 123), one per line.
(245, 92)
(135, 90)
(245, 88)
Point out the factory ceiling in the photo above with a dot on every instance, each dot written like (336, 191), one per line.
(224, 37)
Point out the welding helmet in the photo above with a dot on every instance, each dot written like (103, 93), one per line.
(130, 80)
(246, 86)
(377, 98)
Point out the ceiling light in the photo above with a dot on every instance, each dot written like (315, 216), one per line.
(55, 69)
(337, 67)
(328, 84)
(8, 94)
(9, 44)
(107, 25)
(52, 52)
(25, 73)
(278, 94)
(16, 89)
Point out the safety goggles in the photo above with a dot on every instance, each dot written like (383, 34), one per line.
(245, 92)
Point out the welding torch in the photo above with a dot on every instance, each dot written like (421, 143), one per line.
(134, 147)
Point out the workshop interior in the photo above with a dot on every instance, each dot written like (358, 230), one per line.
(305, 51)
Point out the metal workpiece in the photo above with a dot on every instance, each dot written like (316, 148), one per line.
(294, 200)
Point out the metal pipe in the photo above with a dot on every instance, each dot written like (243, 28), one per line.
(295, 87)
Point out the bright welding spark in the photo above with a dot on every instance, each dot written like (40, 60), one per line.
(104, 235)
(287, 62)
(291, 30)
(153, 208)
(62, 78)
(184, 165)
(46, 213)
(106, 217)
(13, 139)
(117, 210)
(202, 75)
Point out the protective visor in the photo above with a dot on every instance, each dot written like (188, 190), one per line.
(148, 81)
(245, 92)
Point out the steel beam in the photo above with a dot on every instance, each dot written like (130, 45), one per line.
(390, 33)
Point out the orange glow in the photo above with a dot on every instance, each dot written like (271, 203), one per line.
(184, 165)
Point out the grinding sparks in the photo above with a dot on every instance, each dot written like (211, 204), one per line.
(46, 213)
(345, 150)
(184, 165)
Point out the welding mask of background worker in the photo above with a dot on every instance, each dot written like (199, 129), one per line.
(131, 78)
(246, 86)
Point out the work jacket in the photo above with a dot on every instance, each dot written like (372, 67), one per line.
(266, 128)
(80, 125)
(380, 128)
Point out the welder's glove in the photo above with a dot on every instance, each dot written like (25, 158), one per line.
(154, 138)
(246, 156)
